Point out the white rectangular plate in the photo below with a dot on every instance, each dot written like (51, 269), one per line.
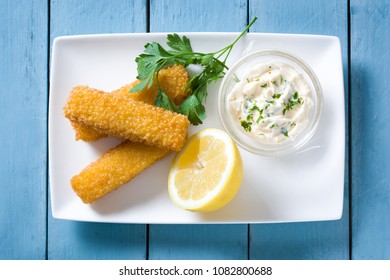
(305, 186)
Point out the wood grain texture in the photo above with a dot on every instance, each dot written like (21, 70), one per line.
(197, 16)
(315, 240)
(91, 17)
(189, 242)
(198, 241)
(23, 107)
(78, 240)
(370, 101)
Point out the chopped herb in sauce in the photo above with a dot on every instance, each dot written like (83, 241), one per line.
(284, 131)
(255, 108)
(260, 111)
(292, 102)
(276, 95)
(259, 118)
(274, 114)
(246, 125)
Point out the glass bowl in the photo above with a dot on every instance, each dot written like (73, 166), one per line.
(231, 125)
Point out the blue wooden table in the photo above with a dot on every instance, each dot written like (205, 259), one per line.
(27, 229)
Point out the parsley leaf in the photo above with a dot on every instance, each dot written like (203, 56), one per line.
(178, 44)
(163, 101)
(192, 108)
(156, 57)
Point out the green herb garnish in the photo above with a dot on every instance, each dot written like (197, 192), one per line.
(264, 85)
(255, 108)
(294, 100)
(246, 125)
(276, 95)
(155, 58)
(260, 117)
(284, 131)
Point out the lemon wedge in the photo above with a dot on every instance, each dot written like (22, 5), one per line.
(207, 173)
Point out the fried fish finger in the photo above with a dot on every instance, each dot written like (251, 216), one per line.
(125, 118)
(115, 168)
(173, 80)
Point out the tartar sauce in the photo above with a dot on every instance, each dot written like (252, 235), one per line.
(271, 103)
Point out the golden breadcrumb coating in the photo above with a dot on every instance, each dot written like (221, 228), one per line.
(125, 118)
(115, 168)
(173, 81)
(147, 95)
(89, 134)
(85, 133)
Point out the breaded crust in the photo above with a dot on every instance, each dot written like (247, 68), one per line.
(89, 134)
(125, 118)
(115, 168)
(173, 81)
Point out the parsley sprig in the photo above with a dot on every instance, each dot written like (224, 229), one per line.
(155, 58)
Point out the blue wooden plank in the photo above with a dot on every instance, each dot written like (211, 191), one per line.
(23, 147)
(370, 101)
(197, 16)
(93, 17)
(198, 241)
(189, 242)
(78, 240)
(315, 240)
